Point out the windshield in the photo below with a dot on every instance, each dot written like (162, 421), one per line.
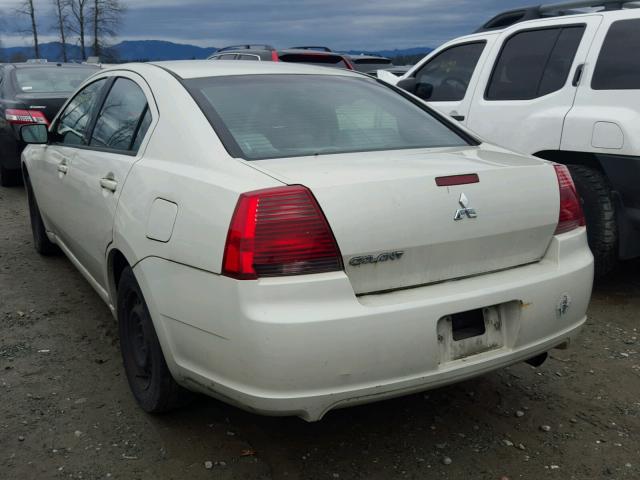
(51, 79)
(272, 116)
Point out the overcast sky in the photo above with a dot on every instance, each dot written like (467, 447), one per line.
(341, 24)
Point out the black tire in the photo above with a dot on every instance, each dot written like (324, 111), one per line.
(9, 178)
(600, 215)
(149, 378)
(41, 242)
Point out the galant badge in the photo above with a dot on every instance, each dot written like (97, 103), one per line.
(465, 211)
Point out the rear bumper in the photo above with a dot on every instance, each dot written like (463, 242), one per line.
(305, 345)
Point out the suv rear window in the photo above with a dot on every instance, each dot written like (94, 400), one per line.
(314, 59)
(618, 66)
(272, 116)
(534, 63)
(51, 79)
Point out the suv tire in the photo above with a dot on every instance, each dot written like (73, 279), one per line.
(600, 215)
(149, 378)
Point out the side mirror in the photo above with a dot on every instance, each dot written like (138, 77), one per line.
(424, 91)
(34, 134)
(408, 84)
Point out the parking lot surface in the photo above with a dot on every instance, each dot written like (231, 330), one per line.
(66, 410)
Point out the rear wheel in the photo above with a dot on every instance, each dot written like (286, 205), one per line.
(600, 215)
(8, 177)
(41, 242)
(149, 378)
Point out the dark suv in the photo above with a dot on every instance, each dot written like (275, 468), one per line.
(309, 55)
(31, 93)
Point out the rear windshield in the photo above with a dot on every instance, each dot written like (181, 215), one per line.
(314, 59)
(51, 79)
(273, 116)
(372, 61)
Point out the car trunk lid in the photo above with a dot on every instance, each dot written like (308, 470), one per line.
(395, 226)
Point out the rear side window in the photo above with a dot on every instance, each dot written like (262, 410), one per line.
(73, 124)
(248, 57)
(618, 66)
(446, 77)
(272, 116)
(120, 116)
(534, 63)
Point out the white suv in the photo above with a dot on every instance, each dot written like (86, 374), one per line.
(560, 84)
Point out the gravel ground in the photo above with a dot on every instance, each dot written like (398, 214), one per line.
(66, 412)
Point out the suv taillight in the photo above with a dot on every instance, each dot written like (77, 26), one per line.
(25, 117)
(571, 215)
(274, 56)
(277, 232)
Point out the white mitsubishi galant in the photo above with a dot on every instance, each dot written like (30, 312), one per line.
(294, 239)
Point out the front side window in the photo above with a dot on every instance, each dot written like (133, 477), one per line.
(534, 63)
(271, 116)
(120, 116)
(618, 66)
(73, 124)
(446, 77)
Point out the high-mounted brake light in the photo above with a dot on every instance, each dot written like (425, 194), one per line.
(25, 117)
(277, 232)
(571, 215)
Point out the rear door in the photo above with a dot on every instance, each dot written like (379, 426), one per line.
(528, 86)
(448, 79)
(101, 167)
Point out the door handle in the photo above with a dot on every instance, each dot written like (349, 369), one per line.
(578, 75)
(63, 166)
(108, 184)
(460, 118)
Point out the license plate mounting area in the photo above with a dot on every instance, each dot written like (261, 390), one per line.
(468, 333)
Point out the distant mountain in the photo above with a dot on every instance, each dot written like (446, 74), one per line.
(127, 51)
(148, 50)
(158, 50)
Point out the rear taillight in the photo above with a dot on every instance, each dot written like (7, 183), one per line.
(274, 56)
(25, 117)
(277, 232)
(571, 215)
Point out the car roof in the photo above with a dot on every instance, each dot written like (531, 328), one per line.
(203, 68)
(307, 51)
(50, 65)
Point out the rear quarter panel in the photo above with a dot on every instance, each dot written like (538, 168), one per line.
(186, 164)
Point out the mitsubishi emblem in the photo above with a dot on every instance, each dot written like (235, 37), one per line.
(465, 211)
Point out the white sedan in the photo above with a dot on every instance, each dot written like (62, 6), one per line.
(293, 239)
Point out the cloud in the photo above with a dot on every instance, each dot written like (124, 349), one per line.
(353, 24)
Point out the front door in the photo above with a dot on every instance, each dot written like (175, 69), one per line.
(447, 80)
(52, 175)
